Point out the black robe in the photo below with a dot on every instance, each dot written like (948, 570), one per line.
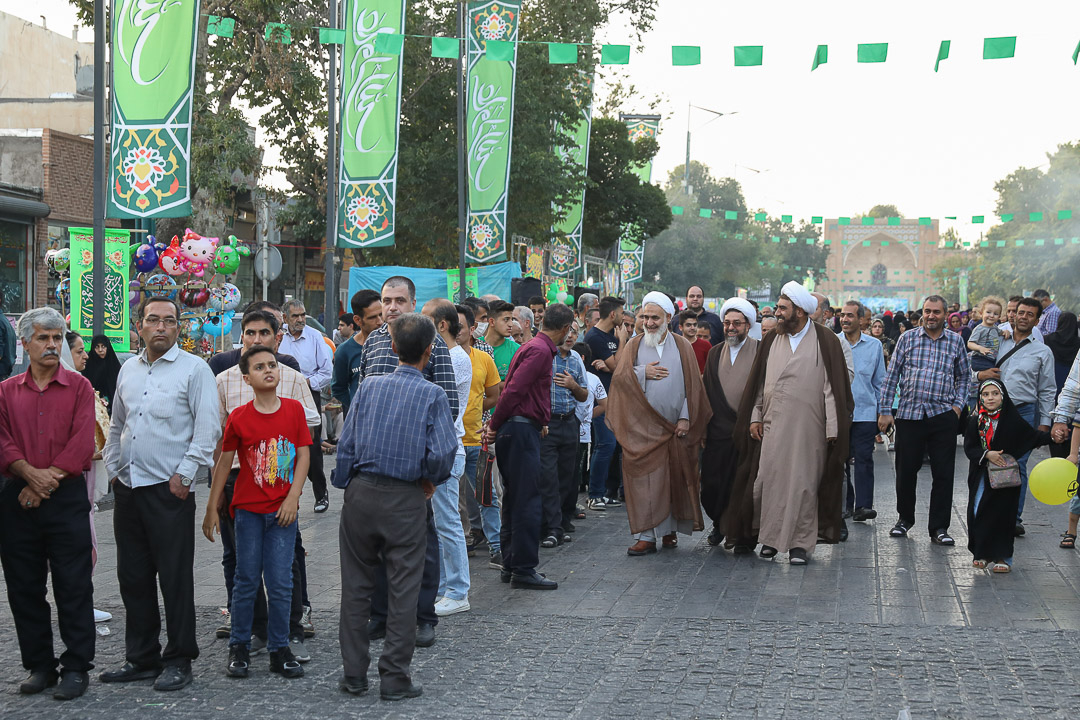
(991, 532)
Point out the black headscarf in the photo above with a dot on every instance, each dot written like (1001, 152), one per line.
(102, 372)
(1064, 342)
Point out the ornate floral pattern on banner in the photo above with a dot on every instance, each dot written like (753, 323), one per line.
(117, 274)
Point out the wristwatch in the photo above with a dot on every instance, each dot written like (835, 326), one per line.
(185, 481)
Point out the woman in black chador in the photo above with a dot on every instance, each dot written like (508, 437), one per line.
(995, 429)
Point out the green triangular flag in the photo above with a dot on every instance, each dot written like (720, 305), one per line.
(500, 50)
(942, 53)
(331, 36)
(873, 52)
(999, 48)
(685, 55)
(220, 26)
(389, 43)
(1076, 53)
(821, 56)
(562, 53)
(444, 47)
(748, 55)
(615, 55)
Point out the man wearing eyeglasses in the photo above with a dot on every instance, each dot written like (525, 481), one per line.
(165, 426)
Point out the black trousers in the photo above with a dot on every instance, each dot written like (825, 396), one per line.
(936, 437)
(558, 454)
(382, 530)
(53, 537)
(315, 470)
(155, 544)
(614, 481)
(429, 582)
(517, 450)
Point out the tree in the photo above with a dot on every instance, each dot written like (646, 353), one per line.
(884, 211)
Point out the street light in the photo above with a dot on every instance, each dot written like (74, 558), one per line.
(686, 166)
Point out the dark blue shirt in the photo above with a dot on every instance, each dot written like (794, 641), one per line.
(603, 346)
(347, 361)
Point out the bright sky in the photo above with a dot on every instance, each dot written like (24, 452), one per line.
(847, 136)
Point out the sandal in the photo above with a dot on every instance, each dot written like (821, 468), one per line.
(1068, 541)
(767, 551)
(999, 568)
(979, 564)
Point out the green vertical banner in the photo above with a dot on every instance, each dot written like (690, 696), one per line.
(153, 70)
(489, 124)
(642, 126)
(370, 115)
(117, 274)
(566, 235)
(453, 283)
(631, 258)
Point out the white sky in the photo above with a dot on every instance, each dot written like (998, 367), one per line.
(847, 136)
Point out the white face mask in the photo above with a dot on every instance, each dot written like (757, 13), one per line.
(481, 330)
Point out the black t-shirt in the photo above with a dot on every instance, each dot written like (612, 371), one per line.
(603, 346)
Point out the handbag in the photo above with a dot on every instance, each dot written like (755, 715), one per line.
(1004, 477)
(485, 493)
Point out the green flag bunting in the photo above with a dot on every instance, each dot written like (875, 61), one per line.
(501, 51)
(331, 36)
(444, 47)
(873, 52)
(999, 48)
(220, 26)
(562, 53)
(821, 56)
(748, 55)
(685, 55)
(615, 55)
(942, 53)
(278, 32)
(389, 43)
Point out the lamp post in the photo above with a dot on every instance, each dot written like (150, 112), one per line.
(100, 181)
(686, 166)
(330, 305)
(463, 48)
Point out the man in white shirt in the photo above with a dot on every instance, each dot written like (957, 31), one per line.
(307, 345)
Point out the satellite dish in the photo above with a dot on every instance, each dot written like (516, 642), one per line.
(273, 264)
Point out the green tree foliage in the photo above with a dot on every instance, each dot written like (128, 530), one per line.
(884, 211)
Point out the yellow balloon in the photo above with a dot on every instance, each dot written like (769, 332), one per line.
(1053, 481)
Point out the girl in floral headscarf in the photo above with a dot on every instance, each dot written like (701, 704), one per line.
(994, 431)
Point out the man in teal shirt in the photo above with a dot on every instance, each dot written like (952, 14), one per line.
(367, 317)
(500, 315)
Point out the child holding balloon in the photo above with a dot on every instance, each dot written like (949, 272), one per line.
(1068, 538)
(996, 435)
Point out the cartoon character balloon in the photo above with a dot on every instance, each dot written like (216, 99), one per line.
(217, 326)
(229, 252)
(160, 279)
(62, 260)
(146, 254)
(225, 299)
(169, 259)
(196, 252)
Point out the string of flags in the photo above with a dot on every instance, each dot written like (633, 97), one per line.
(949, 244)
(564, 53)
(1031, 217)
(936, 272)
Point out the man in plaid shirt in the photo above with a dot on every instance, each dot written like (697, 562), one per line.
(932, 369)
(1048, 320)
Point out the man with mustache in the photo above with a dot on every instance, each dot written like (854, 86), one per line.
(658, 411)
(792, 435)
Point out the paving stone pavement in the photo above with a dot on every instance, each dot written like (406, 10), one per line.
(868, 628)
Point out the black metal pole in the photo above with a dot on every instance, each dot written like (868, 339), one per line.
(100, 181)
(463, 222)
(330, 280)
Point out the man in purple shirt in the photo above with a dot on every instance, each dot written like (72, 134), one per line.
(519, 421)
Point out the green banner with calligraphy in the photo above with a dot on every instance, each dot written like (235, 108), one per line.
(153, 70)
(489, 118)
(566, 235)
(117, 275)
(370, 114)
(642, 126)
(453, 283)
(631, 252)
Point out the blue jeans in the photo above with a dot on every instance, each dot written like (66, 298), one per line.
(453, 555)
(604, 441)
(1027, 411)
(263, 549)
(489, 516)
(860, 490)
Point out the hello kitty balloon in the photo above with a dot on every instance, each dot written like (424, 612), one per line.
(197, 252)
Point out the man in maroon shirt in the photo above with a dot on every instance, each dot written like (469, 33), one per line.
(46, 443)
(519, 421)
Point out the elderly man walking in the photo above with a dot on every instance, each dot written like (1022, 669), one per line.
(792, 432)
(658, 410)
(46, 444)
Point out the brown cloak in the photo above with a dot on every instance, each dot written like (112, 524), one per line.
(738, 520)
(649, 444)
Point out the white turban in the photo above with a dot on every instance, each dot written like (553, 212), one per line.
(800, 296)
(744, 307)
(659, 298)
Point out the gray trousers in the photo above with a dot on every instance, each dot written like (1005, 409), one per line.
(382, 522)
(558, 453)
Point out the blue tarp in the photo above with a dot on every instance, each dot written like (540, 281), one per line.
(492, 280)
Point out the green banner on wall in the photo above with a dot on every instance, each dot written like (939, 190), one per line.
(642, 126)
(489, 123)
(117, 275)
(153, 71)
(566, 235)
(370, 114)
(453, 283)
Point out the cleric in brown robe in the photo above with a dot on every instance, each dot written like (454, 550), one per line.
(658, 411)
(792, 436)
(727, 369)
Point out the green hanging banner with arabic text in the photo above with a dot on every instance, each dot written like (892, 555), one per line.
(117, 275)
(370, 121)
(153, 70)
(492, 29)
(642, 126)
(566, 235)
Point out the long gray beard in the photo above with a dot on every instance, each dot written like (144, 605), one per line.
(733, 340)
(653, 339)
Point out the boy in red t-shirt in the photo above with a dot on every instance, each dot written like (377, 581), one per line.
(691, 330)
(272, 437)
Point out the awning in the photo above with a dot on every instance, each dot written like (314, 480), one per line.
(21, 206)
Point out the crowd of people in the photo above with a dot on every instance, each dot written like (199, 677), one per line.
(485, 426)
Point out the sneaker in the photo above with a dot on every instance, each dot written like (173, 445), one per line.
(305, 622)
(258, 644)
(449, 606)
(477, 539)
(862, 514)
(225, 628)
(300, 652)
(239, 661)
(612, 502)
(285, 663)
(597, 504)
(496, 560)
(101, 616)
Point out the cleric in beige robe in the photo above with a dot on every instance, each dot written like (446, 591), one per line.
(658, 411)
(792, 432)
(727, 371)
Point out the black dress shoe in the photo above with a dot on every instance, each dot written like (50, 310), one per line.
(1019, 531)
(376, 629)
(412, 691)
(843, 531)
(129, 673)
(353, 686)
(174, 677)
(37, 681)
(322, 504)
(73, 684)
(536, 581)
(862, 514)
(425, 635)
(715, 537)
